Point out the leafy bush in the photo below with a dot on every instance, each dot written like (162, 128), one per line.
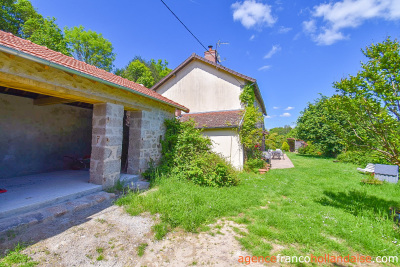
(285, 146)
(361, 158)
(310, 149)
(187, 155)
(208, 169)
(253, 165)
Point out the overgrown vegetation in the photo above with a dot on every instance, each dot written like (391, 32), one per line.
(370, 101)
(363, 120)
(361, 158)
(313, 126)
(310, 150)
(302, 210)
(187, 155)
(181, 203)
(277, 137)
(254, 164)
(16, 258)
(250, 131)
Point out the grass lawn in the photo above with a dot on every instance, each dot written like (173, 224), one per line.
(317, 207)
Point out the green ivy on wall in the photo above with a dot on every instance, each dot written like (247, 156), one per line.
(250, 132)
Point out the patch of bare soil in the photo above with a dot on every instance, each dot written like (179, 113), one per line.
(112, 238)
(217, 247)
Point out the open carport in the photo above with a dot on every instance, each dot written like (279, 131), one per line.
(54, 108)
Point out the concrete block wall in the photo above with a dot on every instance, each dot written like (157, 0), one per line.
(35, 139)
(105, 163)
(146, 131)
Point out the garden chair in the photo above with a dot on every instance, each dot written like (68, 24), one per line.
(280, 154)
(267, 156)
(370, 168)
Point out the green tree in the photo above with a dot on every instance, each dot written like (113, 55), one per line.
(90, 47)
(281, 130)
(21, 19)
(292, 133)
(315, 125)
(272, 141)
(9, 17)
(370, 101)
(138, 72)
(158, 70)
(45, 32)
(14, 14)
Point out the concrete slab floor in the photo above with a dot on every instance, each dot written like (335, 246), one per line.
(283, 163)
(27, 193)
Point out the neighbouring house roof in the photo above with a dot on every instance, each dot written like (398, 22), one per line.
(218, 66)
(12, 44)
(215, 119)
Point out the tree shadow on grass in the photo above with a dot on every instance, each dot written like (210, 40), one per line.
(358, 203)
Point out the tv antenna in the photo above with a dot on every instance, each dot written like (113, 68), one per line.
(217, 46)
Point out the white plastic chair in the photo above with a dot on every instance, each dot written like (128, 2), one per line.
(370, 168)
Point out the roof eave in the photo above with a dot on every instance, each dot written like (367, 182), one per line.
(218, 127)
(36, 59)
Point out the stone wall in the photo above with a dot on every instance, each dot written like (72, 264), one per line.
(146, 131)
(35, 139)
(105, 163)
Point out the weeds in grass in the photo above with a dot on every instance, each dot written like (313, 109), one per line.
(100, 257)
(101, 220)
(317, 207)
(160, 229)
(16, 258)
(141, 249)
(184, 204)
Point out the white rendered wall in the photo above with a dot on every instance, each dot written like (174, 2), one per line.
(226, 142)
(203, 88)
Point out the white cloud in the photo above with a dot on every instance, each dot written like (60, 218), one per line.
(270, 117)
(252, 37)
(337, 16)
(309, 26)
(283, 29)
(286, 114)
(275, 49)
(275, 107)
(289, 108)
(252, 13)
(266, 67)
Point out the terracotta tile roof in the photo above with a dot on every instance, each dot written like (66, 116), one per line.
(13, 42)
(218, 66)
(215, 119)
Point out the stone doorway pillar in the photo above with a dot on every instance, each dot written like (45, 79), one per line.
(135, 143)
(107, 131)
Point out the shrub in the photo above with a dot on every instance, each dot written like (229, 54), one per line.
(253, 164)
(285, 146)
(310, 149)
(361, 158)
(187, 155)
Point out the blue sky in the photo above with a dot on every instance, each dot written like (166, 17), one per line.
(295, 49)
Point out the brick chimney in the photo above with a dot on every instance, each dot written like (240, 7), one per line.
(211, 54)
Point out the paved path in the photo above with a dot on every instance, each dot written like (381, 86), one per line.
(282, 163)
